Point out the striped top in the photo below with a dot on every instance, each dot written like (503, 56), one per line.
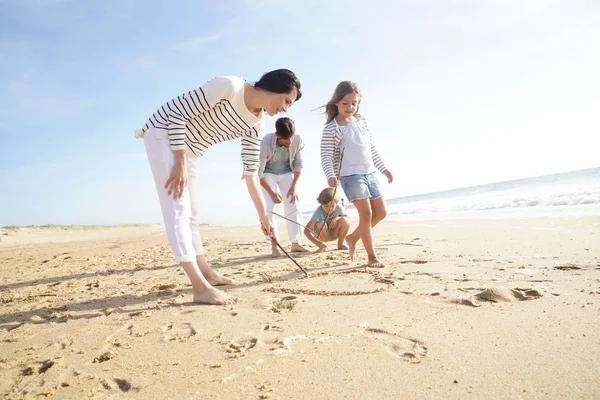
(213, 113)
(330, 148)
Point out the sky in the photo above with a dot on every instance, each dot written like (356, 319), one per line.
(457, 93)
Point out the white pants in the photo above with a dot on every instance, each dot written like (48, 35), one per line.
(290, 210)
(180, 216)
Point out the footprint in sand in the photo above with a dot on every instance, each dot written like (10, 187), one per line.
(238, 348)
(285, 303)
(501, 294)
(497, 295)
(568, 267)
(180, 331)
(410, 350)
(117, 384)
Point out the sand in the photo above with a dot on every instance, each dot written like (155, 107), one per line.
(464, 309)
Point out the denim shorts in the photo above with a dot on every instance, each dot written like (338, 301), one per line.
(361, 186)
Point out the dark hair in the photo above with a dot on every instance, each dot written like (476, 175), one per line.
(285, 127)
(280, 81)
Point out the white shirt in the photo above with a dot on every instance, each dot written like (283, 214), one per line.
(356, 145)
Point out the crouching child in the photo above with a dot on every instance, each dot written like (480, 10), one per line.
(329, 222)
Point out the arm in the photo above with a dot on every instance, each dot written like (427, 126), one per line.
(265, 155)
(292, 194)
(259, 203)
(308, 232)
(377, 161)
(297, 165)
(327, 151)
(250, 159)
(276, 197)
(181, 109)
(188, 105)
(178, 179)
(297, 162)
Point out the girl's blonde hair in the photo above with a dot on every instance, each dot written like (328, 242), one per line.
(326, 196)
(342, 89)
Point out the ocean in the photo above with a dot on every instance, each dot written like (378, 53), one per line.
(568, 194)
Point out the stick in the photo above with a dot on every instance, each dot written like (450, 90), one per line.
(299, 224)
(290, 257)
(334, 191)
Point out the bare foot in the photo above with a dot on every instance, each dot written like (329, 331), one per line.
(297, 248)
(342, 247)
(214, 296)
(351, 246)
(375, 263)
(275, 252)
(219, 280)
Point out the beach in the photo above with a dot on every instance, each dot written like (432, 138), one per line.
(472, 308)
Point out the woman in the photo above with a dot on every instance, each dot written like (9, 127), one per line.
(181, 130)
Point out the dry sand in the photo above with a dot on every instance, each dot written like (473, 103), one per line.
(464, 309)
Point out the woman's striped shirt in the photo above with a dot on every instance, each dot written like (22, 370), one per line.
(330, 148)
(213, 113)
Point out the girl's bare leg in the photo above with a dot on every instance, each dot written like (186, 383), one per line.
(365, 223)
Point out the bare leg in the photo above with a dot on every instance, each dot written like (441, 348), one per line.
(275, 250)
(204, 292)
(211, 275)
(319, 228)
(379, 213)
(365, 221)
(344, 228)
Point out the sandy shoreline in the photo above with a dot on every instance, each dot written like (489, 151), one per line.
(105, 312)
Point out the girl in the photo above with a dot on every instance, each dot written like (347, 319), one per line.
(181, 130)
(347, 131)
(334, 218)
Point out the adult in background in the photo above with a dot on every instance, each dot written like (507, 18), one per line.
(280, 168)
(181, 130)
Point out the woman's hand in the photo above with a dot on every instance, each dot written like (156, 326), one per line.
(178, 180)
(332, 182)
(253, 184)
(266, 227)
(389, 175)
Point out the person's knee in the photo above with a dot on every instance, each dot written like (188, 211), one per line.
(366, 214)
(380, 213)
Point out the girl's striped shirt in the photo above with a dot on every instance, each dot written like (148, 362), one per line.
(330, 148)
(213, 113)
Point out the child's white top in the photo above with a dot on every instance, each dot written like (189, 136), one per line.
(356, 144)
(330, 148)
